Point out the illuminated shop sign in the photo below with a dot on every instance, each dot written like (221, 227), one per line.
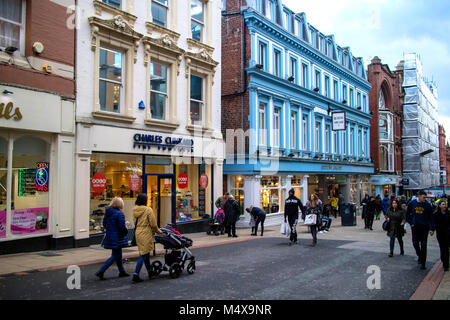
(42, 176)
(147, 141)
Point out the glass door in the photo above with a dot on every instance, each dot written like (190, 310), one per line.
(161, 197)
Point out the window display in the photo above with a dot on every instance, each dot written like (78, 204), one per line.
(270, 194)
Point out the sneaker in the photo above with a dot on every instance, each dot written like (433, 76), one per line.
(123, 275)
(100, 275)
(325, 231)
(390, 255)
(136, 278)
(235, 236)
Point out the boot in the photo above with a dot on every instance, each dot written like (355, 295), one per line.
(100, 275)
(123, 274)
(136, 278)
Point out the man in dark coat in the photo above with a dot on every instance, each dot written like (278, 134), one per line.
(364, 204)
(291, 206)
(420, 217)
(232, 213)
(370, 213)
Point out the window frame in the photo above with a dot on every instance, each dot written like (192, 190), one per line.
(166, 7)
(122, 85)
(293, 124)
(277, 127)
(201, 102)
(21, 25)
(202, 24)
(262, 123)
(107, 2)
(166, 94)
(277, 62)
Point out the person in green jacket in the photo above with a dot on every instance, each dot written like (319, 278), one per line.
(396, 218)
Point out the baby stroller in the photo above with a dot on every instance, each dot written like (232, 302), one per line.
(177, 253)
(216, 225)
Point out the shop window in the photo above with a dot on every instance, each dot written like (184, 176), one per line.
(262, 123)
(12, 24)
(113, 175)
(159, 12)
(110, 80)
(3, 176)
(158, 90)
(276, 127)
(270, 194)
(238, 182)
(30, 186)
(197, 20)
(296, 184)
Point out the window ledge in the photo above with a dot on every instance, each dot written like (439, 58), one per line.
(162, 30)
(199, 45)
(162, 124)
(100, 7)
(112, 116)
(198, 128)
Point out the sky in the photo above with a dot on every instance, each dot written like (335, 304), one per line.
(388, 29)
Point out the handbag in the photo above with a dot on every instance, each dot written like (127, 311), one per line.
(133, 241)
(310, 220)
(386, 225)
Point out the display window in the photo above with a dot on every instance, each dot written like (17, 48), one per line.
(296, 182)
(272, 194)
(237, 191)
(113, 175)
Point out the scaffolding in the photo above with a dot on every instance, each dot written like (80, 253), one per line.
(420, 137)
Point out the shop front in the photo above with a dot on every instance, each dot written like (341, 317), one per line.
(36, 171)
(179, 185)
(385, 184)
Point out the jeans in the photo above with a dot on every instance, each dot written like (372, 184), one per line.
(326, 224)
(420, 239)
(314, 233)
(293, 226)
(145, 259)
(258, 220)
(115, 256)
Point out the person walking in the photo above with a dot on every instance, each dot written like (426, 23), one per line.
(116, 237)
(313, 206)
(385, 204)
(442, 218)
(232, 213)
(260, 216)
(396, 218)
(421, 219)
(334, 205)
(364, 204)
(145, 228)
(378, 209)
(370, 213)
(341, 204)
(291, 206)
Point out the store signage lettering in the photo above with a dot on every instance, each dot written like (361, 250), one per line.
(7, 112)
(98, 183)
(146, 141)
(42, 176)
(331, 167)
(338, 123)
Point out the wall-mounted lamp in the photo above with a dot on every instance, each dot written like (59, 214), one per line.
(7, 92)
(291, 79)
(259, 66)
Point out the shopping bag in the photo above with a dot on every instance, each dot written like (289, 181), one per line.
(284, 229)
(310, 220)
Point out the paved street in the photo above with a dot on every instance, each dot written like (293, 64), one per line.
(257, 269)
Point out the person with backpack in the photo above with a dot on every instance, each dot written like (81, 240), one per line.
(291, 206)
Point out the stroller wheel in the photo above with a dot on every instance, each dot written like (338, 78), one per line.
(174, 270)
(208, 232)
(191, 267)
(157, 267)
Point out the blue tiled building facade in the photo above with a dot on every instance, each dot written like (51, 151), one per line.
(297, 78)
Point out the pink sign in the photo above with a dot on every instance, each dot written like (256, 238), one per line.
(29, 221)
(182, 180)
(2, 224)
(135, 182)
(203, 181)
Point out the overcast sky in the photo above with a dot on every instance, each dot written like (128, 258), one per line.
(387, 29)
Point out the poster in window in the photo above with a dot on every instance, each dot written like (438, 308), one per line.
(2, 224)
(29, 221)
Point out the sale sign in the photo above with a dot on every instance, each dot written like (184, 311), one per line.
(29, 221)
(182, 180)
(2, 224)
(98, 183)
(135, 182)
(203, 181)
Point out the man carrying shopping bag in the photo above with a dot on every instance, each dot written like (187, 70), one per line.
(292, 204)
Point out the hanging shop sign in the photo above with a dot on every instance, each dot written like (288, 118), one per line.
(203, 181)
(42, 176)
(135, 182)
(147, 141)
(182, 180)
(338, 121)
(98, 183)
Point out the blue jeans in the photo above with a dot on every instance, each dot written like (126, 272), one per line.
(115, 256)
(145, 259)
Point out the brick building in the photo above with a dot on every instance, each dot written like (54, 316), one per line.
(37, 125)
(282, 82)
(385, 127)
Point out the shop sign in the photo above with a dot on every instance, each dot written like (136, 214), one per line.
(146, 141)
(29, 221)
(42, 176)
(98, 183)
(331, 167)
(7, 112)
(182, 180)
(203, 181)
(338, 121)
(405, 182)
(2, 224)
(135, 182)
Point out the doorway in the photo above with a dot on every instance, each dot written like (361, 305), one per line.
(161, 192)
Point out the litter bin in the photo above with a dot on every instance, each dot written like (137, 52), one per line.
(348, 217)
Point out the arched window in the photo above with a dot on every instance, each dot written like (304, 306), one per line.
(381, 101)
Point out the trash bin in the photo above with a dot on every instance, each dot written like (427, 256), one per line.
(348, 217)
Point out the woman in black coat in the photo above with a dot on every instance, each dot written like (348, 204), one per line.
(232, 213)
(116, 236)
(396, 218)
(442, 218)
(364, 204)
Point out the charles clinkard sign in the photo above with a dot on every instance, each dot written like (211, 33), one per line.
(147, 141)
(7, 111)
